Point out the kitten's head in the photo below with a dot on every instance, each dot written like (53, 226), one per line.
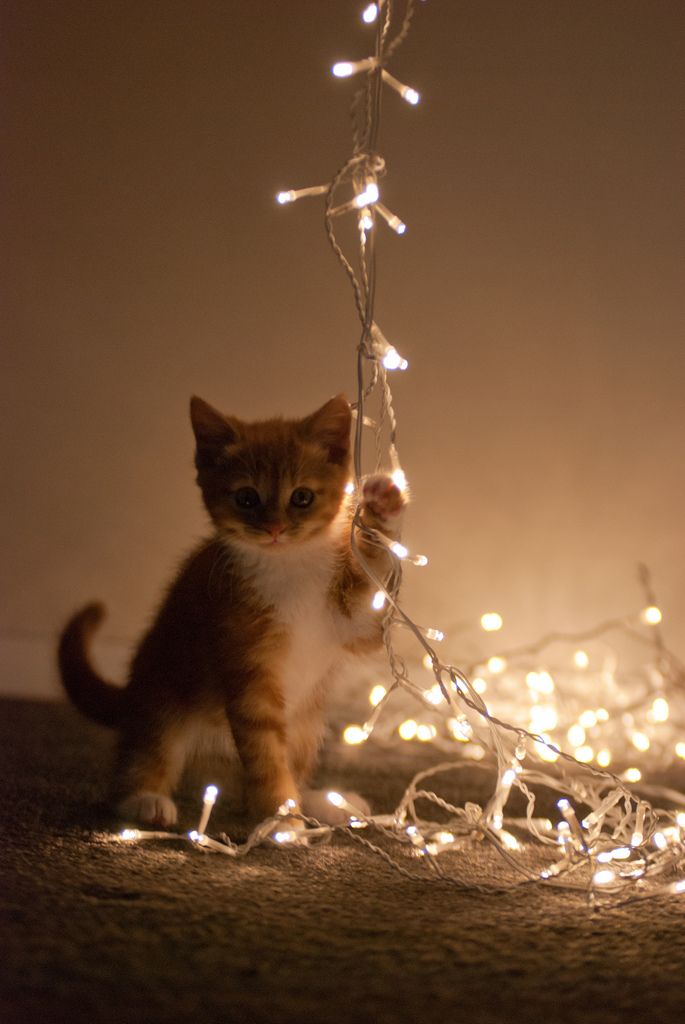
(275, 483)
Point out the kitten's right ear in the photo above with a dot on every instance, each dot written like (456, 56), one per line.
(212, 430)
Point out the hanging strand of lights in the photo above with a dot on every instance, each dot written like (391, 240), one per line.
(603, 839)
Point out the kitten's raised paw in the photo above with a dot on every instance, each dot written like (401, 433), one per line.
(382, 497)
(148, 809)
(315, 804)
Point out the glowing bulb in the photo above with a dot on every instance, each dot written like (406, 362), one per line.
(427, 662)
(680, 749)
(678, 886)
(588, 719)
(434, 695)
(602, 715)
(584, 754)
(543, 717)
(604, 877)
(378, 601)
(460, 729)
(399, 479)
(425, 733)
(349, 487)
(207, 804)
(407, 729)
(405, 91)
(211, 793)
(680, 819)
(345, 68)
(368, 196)
(511, 842)
(640, 741)
(632, 775)
(337, 799)
(496, 664)
(391, 219)
(576, 735)
(581, 659)
(285, 837)
(659, 840)
(479, 685)
(365, 219)
(392, 360)
(285, 197)
(420, 560)
(541, 682)
(491, 622)
(399, 549)
(651, 615)
(636, 839)
(434, 634)
(370, 13)
(377, 694)
(354, 734)
(545, 752)
(130, 834)
(660, 710)
(603, 758)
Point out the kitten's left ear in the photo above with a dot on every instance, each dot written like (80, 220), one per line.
(330, 425)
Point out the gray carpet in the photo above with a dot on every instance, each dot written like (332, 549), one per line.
(94, 930)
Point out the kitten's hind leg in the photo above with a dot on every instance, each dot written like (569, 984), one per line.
(148, 766)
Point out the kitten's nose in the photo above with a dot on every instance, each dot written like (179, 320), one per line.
(276, 529)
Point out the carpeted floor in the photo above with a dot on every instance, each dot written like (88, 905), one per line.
(97, 931)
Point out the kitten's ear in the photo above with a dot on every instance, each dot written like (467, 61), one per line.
(212, 430)
(330, 425)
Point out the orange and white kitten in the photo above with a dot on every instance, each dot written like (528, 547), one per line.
(257, 621)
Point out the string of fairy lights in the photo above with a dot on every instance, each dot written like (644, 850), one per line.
(572, 715)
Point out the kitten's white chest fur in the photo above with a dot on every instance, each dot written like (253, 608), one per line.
(296, 583)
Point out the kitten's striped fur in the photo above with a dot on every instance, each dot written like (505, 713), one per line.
(257, 621)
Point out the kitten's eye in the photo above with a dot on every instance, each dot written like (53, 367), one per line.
(302, 497)
(247, 497)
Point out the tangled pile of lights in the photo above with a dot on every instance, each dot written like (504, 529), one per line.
(565, 715)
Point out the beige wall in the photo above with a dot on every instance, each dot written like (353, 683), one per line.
(538, 294)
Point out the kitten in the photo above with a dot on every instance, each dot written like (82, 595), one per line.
(257, 621)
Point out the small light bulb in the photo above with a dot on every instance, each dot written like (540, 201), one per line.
(435, 634)
(479, 685)
(678, 886)
(588, 719)
(285, 197)
(632, 775)
(392, 360)
(354, 735)
(603, 758)
(368, 196)
(407, 729)
(496, 665)
(130, 834)
(399, 549)
(491, 622)
(343, 69)
(370, 13)
(640, 741)
(576, 735)
(349, 487)
(399, 479)
(660, 710)
(581, 659)
(378, 601)
(604, 877)
(651, 615)
(680, 749)
(335, 798)
(285, 837)
(425, 733)
(434, 695)
(365, 219)
(584, 754)
(410, 95)
(211, 794)
(377, 694)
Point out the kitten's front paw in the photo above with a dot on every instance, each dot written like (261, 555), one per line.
(315, 804)
(382, 497)
(148, 809)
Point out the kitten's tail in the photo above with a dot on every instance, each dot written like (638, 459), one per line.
(94, 697)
